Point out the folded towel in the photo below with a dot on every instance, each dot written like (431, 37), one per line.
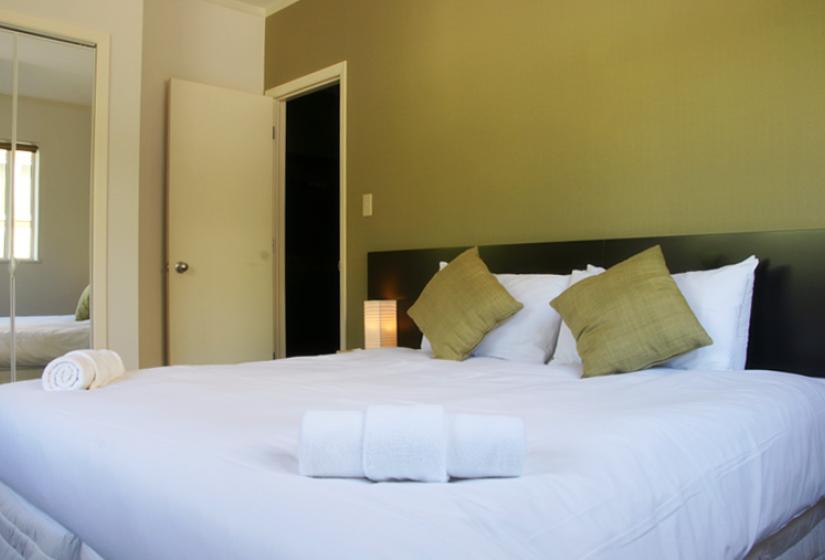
(485, 446)
(331, 443)
(82, 369)
(405, 443)
(410, 443)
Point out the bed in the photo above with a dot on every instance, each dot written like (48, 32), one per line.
(41, 338)
(200, 462)
(626, 467)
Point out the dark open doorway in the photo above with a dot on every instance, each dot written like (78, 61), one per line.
(312, 217)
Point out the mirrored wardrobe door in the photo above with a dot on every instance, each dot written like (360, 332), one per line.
(7, 57)
(51, 222)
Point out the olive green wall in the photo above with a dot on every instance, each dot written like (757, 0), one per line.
(540, 120)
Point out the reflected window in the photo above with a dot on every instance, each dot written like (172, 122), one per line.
(25, 201)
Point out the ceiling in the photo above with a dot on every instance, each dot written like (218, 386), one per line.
(263, 7)
(48, 69)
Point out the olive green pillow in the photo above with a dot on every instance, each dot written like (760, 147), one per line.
(81, 312)
(630, 317)
(461, 304)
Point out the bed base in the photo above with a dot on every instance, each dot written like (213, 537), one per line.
(803, 538)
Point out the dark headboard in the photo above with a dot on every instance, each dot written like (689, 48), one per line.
(788, 320)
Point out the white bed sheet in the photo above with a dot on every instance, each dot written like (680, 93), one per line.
(42, 338)
(200, 462)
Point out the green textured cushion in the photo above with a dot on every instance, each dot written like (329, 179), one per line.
(461, 304)
(81, 312)
(630, 317)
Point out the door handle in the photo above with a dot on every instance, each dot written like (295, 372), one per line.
(181, 267)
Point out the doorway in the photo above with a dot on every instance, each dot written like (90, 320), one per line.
(308, 270)
(311, 223)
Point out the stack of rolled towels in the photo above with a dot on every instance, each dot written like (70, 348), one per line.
(81, 370)
(419, 442)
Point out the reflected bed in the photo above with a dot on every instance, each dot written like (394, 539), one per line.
(42, 338)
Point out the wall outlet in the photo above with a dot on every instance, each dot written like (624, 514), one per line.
(366, 204)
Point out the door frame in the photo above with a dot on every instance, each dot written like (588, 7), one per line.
(100, 154)
(335, 74)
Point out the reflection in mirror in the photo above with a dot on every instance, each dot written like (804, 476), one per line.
(46, 149)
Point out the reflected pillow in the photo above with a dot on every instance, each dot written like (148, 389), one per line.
(630, 317)
(81, 312)
(461, 304)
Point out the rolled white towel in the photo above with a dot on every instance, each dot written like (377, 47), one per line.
(74, 371)
(405, 443)
(109, 367)
(482, 446)
(331, 443)
(82, 369)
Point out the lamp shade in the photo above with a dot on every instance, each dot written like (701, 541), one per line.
(380, 329)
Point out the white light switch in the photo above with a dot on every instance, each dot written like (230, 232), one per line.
(366, 204)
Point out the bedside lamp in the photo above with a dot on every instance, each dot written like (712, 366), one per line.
(380, 329)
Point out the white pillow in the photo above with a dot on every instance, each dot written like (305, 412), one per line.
(529, 335)
(566, 352)
(743, 331)
(721, 299)
(425, 342)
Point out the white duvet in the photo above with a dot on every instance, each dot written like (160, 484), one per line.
(200, 462)
(42, 338)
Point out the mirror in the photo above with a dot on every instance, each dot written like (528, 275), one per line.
(46, 100)
(6, 59)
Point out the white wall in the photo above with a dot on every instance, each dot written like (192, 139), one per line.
(123, 21)
(62, 131)
(199, 41)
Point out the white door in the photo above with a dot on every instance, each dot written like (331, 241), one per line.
(220, 225)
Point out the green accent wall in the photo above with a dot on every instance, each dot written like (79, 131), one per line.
(540, 120)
